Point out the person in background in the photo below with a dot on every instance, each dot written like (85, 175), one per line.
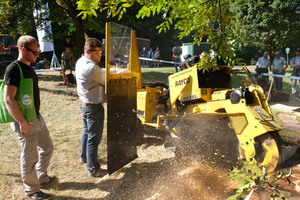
(143, 54)
(150, 55)
(156, 56)
(33, 135)
(68, 43)
(295, 64)
(177, 51)
(279, 66)
(262, 66)
(67, 62)
(90, 79)
(264, 62)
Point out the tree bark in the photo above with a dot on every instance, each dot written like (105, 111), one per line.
(70, 8)
(79, 26)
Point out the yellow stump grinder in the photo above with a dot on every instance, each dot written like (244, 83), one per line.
(198, 110)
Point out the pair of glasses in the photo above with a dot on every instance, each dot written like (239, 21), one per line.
(97, 51)
(34, 52)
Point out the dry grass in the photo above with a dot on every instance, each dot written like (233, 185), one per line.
(154, 175)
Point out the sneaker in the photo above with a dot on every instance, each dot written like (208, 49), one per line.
(38, 195)
(99, 173)
(49, 183)
(82, 160)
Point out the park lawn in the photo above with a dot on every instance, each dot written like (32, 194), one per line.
(161, 74)
(157, 74)
(60, 108)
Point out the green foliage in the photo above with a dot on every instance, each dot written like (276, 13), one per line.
(197, 18)
(13, 13)
(117, 7)
(251, 176)
(90, 7)
(269, 25)
(248, 54)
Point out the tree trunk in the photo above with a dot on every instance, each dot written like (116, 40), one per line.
(79, 26)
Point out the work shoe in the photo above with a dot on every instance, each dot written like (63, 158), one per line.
(82, 160)
(38, 195)
(99, 173)
(49, 183)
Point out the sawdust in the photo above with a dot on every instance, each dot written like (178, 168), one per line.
(157, 174)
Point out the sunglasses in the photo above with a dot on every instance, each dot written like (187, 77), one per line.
(34, 52)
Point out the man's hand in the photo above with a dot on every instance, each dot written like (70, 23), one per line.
(24, 128)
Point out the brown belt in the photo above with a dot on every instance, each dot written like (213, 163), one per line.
(90, 104)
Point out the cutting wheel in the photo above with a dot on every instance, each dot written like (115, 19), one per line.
(267, 152)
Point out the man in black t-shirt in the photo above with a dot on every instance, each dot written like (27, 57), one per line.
(33, 135)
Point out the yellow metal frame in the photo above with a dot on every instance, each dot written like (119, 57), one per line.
(134, 67)
(184, 86)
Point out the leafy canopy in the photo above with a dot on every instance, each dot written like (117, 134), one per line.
(270, 25)
(197, 18)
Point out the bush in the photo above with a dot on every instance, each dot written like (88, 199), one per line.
(249, 54)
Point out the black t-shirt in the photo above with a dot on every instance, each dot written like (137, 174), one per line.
(12, 77)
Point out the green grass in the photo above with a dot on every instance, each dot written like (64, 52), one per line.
(161, 75)
(157, 74)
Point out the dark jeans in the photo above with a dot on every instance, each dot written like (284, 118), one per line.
(93, 120)
(278, 80)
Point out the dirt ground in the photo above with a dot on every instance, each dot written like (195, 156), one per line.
(157, 174)
(161, 176)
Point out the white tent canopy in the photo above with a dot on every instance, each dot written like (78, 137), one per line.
(46, 45)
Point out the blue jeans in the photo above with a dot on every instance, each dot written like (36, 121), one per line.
(93, 120)
(177, 59)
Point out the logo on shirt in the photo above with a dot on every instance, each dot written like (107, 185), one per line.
(26, 100)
